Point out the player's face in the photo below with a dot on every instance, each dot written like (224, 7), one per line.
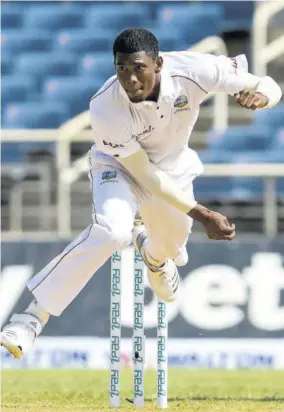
(138, 74)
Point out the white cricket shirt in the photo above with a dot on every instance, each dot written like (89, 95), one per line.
(162, 128)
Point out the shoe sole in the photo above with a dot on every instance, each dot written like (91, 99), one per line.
(16, 351)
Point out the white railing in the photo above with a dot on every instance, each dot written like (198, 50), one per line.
(264, 53)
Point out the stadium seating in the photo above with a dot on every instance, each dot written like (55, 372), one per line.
(272, 118)
(17, 88)
(11, 18)
(189, 18)
(252, 188)
(97, 65)
(46, 39)
(278, 144)
(41, 65)
(74, 91)
(118, 17)
(237, 15)
(6, 64)
(53, 16)
(169, 40)
(242, 138)
(18, 41)
(62, 43)
(213, 188)
(83, 41)
(35, 115)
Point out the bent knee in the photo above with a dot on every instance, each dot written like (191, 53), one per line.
(120, 230)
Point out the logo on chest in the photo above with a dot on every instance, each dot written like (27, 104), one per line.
(180, 103)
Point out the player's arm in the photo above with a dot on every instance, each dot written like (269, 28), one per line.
(156, 181)
(230, 75)
(159, 184)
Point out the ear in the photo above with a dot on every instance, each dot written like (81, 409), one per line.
(159, 64)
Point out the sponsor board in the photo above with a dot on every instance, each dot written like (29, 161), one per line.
(227, 290)
(93, 353)
(217, 297)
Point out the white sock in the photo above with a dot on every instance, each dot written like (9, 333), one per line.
(35, 309)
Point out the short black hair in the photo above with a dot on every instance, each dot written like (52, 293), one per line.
(136, 40)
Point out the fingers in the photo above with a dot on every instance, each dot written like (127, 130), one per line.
(229, 232)
(246, 99)
(240, 98)
(226, 222)
(251, 100)
(219, 228)
(228, 229)
(222, 236)
(231, 236)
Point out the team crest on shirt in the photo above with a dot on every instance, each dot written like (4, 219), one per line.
(180, 104)
(109, 176)
(181, 101)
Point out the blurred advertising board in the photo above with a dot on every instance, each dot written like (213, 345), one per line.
(229, 290)
(93, 353)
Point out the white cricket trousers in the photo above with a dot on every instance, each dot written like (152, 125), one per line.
(116, 198)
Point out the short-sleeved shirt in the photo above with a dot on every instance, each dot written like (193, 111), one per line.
(162, 128)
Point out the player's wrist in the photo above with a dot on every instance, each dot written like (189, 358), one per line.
(199, 213)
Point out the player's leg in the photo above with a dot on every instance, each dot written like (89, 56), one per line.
(57, 284)
(167, 232)
(162, 243)
(114, 207)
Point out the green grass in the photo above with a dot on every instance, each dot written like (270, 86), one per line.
(87, 391)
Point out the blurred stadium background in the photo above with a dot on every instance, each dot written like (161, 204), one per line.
(55, 56)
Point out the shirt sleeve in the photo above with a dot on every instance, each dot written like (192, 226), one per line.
(112, 133)
(221, 73)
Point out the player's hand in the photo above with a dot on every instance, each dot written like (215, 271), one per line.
(217, 227)
(215, 224)
(251, 100)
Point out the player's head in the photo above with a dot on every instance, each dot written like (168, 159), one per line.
(137, 63)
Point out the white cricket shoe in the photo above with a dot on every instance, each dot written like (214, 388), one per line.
(19, 335)
(163, 280)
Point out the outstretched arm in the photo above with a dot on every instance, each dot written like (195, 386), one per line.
(217, 74)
